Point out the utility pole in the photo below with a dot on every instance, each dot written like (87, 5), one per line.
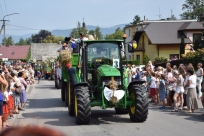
(4, 27)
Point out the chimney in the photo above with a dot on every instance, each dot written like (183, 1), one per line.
(144, 17)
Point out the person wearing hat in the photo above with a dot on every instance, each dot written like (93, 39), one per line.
(82, 37)
(64, 47)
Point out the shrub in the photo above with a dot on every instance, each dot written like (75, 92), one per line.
(160, 59)
(136, 62)
(146, 60)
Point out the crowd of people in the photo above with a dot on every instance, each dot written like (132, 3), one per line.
(179, 87)
(14, 81)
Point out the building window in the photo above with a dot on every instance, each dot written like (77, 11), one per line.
(138, 57)
(174, 57)
(132, 57)
(129, 33)
(129, 57)
(12, 53)
(198, 36)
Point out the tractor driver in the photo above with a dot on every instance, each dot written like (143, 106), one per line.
(99, 53)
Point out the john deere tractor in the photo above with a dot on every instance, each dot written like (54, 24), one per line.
(99, 79)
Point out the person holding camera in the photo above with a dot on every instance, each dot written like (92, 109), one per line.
(3, 83)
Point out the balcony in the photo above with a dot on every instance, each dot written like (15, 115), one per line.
(140, 47)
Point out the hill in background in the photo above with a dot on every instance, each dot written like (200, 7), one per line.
(66, 32)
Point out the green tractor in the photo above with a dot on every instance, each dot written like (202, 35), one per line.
(88, 82)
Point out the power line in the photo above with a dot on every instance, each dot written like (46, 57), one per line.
(1, 9)
(6, 8)
(24, 27)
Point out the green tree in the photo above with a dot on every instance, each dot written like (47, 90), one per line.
(196, 43)
(75, 31)
(53, 39)
(182, 47)
(28, 41)
(136, 20)
(193, 9)
(117, 35)
(92, 32)
(98, 33)
(21, 42)
(9, 41)
(42, 34)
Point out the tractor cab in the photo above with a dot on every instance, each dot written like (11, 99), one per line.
(102, 61)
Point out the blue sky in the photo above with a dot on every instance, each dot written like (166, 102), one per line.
(64, 14)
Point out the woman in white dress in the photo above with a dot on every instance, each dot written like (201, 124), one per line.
(199, 80)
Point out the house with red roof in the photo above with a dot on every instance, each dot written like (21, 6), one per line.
(14, 53)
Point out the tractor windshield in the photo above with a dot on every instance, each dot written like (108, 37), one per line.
(103, 53)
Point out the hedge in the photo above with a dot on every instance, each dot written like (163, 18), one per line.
(131, 62)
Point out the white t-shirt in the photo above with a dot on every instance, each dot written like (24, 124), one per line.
(157, 83)
(153, 82)
(133, 70)
(192, 78)
(5, 96)
(11, 86)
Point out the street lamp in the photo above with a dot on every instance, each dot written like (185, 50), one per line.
(3, 26)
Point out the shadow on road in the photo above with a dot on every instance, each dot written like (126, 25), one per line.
(62, 118)
(45, 103)
(196, 116)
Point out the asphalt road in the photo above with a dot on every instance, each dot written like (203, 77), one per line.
(45, 108)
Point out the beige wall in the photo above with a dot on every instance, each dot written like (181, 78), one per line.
(189, 34)
(166, 50)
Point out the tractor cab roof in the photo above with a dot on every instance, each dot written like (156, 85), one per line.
(97, 41)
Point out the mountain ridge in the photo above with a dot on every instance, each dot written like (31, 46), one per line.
(66, 32)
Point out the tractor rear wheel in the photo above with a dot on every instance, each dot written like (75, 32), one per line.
(139, 110)
(121, 111)
(70, 100)
(63, 90)
(55, 83)
(82, 105)
(66, 93)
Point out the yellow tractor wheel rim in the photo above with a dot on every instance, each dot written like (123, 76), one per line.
(69, 100)
(132, 108)
(76, 105)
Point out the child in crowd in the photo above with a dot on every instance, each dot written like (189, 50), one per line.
(152, 86)
(158, 76)
(162, 91)
(143, 78)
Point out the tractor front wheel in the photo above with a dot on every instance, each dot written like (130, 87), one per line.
(70, 100)
(138, 111)
(82, 105)
(63, 90)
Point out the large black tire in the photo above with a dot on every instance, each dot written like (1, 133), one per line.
(82, 105)
(122, 111)
(63, 90)
(65, 93)
(55, 84)
(139, 110)
(58, 84)
(70, 100)
(52, 77)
